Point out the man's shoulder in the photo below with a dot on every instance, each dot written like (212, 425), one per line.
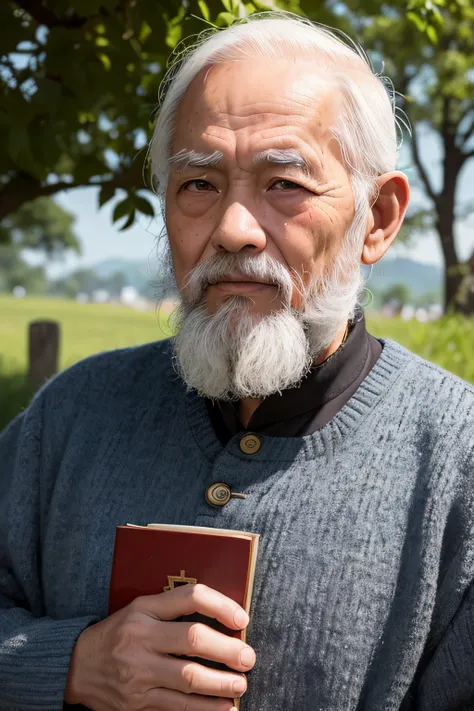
(426, 374)
(437, 395)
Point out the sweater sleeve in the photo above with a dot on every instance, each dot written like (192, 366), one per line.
(447, 683)
(35, 650)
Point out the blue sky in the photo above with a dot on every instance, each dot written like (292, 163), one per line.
(101, 240)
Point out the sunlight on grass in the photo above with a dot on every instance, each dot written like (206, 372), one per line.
(91, 328)
(85, 328)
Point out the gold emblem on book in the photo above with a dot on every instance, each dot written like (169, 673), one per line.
(174, 581)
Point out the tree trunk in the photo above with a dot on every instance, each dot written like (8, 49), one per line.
(43, 351)
(465, 293)
(452, 283)
(452, 267)
(458, 276)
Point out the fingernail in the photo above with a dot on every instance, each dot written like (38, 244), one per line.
(247, 657)
(241, 619)
(238, 687)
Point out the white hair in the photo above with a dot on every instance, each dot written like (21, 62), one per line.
(231, 354)
(367, 128)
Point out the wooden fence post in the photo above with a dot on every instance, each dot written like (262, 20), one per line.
(43, 350)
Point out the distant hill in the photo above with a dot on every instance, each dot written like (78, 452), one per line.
(419, 277)
(137, 273)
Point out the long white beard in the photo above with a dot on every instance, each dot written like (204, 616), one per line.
(235, 353)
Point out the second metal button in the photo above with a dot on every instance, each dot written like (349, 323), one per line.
(218, 494)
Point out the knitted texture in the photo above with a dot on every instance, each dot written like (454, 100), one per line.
(363, 597)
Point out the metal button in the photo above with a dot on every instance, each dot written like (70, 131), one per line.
(218, 494)
(250, 444)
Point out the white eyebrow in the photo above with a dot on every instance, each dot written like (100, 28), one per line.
(192, 159)
(284, 156)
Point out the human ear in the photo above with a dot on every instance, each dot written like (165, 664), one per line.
(387, 213)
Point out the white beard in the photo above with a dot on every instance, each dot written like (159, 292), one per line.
(234, 353)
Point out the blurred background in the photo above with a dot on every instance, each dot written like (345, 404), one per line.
(79, 228)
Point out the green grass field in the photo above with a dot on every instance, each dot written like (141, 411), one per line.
(85, 328)
(90, 328)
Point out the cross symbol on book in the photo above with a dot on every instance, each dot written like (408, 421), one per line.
(175, 581)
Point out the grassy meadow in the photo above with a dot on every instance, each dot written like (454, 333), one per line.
(90, 328)
(85, 329)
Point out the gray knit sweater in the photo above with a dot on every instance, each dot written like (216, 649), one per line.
(363, 597)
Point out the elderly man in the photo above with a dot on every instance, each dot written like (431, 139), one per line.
(274, 156)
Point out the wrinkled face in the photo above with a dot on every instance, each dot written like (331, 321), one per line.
(273, 181)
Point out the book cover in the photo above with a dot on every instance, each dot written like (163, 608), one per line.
(154, 558)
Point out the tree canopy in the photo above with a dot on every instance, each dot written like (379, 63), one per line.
(41, 225)
(433, 69)
(79, 85)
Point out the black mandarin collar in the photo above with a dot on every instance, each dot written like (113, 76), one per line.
(293, 412)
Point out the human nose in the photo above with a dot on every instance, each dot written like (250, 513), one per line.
(239, 229)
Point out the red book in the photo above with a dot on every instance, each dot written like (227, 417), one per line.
(158, 557)
(154, 558)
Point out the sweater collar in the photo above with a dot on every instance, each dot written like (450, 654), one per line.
(386, 370)
(322, 384)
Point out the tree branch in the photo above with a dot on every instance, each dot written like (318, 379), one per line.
(467, 133)
(23, 188)
(470, 260)
(44, 16)
(421, 169)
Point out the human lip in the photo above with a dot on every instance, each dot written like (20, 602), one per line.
(239, 279)
(238, 284)
(241, 287)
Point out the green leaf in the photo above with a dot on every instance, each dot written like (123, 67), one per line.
(237, 8)
(44, 144)
(142, 205)
(105, 60)
(106, 193)
(121, 209)
(225, 19)
(20, 151)
(263, 6)
(174, 35)
(419, 23)
(18, 142)
(129, 222)
(48, 94)
(432, 34)
(145, 32)
(204, 10)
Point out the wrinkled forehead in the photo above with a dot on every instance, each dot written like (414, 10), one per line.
(261, 98)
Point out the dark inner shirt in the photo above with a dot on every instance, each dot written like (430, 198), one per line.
(303, 409)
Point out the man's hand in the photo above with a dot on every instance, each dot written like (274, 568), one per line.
(124, 663)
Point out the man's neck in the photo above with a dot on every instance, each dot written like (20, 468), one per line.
(248, 405)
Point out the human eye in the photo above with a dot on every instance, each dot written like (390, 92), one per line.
(285, 185)
(197, 186)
